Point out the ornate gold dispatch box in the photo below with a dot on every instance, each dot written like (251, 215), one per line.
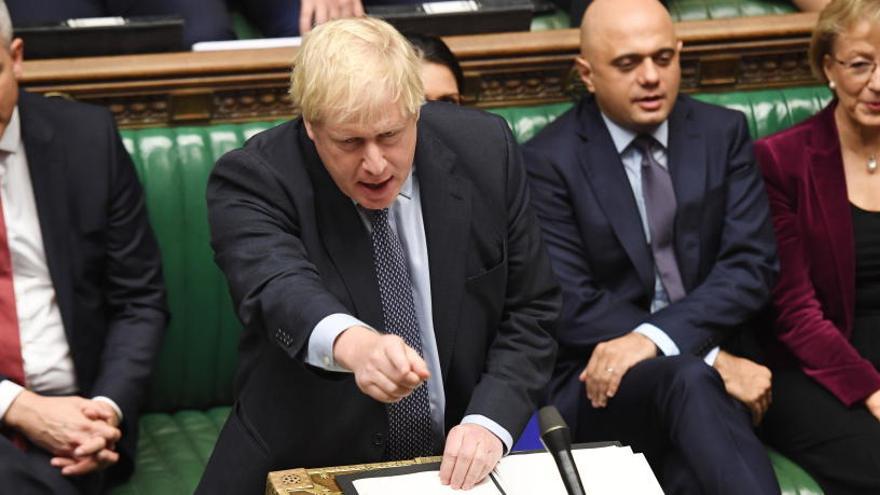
(322, 481)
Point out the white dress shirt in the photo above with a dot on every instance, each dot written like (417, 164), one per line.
(48, 363)
(631, 156)
(406, 220)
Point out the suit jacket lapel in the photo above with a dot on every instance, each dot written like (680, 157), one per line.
(829, 185)
(345, 237)
(687, 166)
(607, 178)
(446, 206)
(48, 170)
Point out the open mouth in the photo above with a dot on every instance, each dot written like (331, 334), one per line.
(376, 186)
(652, 102)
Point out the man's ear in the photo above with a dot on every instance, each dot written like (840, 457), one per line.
(309, 130)
(16, 53)
(585, 71)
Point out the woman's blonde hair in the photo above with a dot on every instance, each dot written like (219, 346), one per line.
(347, 70)
(837, 17)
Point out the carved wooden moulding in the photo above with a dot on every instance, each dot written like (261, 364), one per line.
(506, 69)
(248, 105)
(322, 481)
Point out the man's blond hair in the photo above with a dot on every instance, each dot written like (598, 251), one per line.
(347, 70)
(837, 17)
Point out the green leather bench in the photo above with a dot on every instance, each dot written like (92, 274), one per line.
(687, 10)
(192, 389)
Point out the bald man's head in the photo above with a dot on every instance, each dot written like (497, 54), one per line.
(629, 60)
(605, 20)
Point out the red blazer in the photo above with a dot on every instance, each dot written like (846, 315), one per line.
(815, 294)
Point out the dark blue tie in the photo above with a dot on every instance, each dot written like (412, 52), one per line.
(409, 420)
(660, 208)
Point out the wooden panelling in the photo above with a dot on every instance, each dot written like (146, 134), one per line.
(504, 69)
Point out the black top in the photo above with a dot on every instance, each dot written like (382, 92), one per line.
(866, 227)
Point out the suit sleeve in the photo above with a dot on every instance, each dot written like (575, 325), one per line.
(134, 289)
(738, 284)
(520, 359)
(256, 236)
(590, 313)
(820, 347)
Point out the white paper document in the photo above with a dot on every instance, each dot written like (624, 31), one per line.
(423, 483)
(609, 470)
(211, 46)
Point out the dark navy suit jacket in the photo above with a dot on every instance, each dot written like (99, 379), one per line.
(102, 256)
(295, 250)
(723, 236)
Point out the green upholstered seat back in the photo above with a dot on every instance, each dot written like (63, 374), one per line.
(767, 111)
(687, 10)
(197, 362)
(773, 110)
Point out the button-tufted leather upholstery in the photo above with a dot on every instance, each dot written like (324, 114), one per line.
(688, 10)
(192, 389)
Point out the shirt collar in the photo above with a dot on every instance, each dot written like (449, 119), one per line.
(407, 189)
(623, 137)
(12, 135)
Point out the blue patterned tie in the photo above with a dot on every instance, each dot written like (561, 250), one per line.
(409, 420)
(660, 208)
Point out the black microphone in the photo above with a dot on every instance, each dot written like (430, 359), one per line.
(556, 438)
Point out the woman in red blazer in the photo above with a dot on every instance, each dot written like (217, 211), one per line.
(824, 186)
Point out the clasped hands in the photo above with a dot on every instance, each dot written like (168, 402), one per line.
(387, 369)
(80, 433)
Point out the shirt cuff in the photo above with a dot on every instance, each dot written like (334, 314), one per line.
(659, 338)
(108, 400)
(9, 390)
(320, 350)
(711, 356)
(495, 428)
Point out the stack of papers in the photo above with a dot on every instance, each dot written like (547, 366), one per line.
(611, 470)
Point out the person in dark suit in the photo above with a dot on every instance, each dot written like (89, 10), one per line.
(388, 270)
(824, 186)
(659, 232)
(82, 304)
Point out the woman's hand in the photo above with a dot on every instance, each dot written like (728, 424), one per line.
(873, 404)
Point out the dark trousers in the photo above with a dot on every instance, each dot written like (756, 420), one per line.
(240, 461)
(29, 473)
(838, 445)
(697, 438)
